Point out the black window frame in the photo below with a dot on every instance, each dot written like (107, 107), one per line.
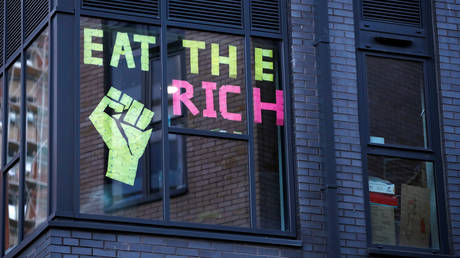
(411, 43)
(20, 158)
(247, 33)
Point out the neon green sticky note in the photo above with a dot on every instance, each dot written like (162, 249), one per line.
(260, 64)
(126, 101)
(114, 93)
(125, 142)
(194, 45)
(134, 112)
(89, 46)
(145, 119)
(145, 41)
(216, 60)
(122, 47)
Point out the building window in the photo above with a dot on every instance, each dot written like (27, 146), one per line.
(402, 166)
(218, 166)
(28, 172)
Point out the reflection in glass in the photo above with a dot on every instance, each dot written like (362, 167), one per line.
(396, 102)
(402, 202)
(217, 183)
(269, 141)
(98, 193)
(36, 163)
(12, 208)
(14, 114)
(221, 106)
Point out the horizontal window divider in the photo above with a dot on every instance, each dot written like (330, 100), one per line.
(195, 132)
(203, 27)
(145, 199)
(120, 17)
(106, 224)
(401, 153)
(400, 53)
(400, 147)
(390, 251)
(266, 34)
(11, 164)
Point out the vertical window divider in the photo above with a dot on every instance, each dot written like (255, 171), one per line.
(164, 108)
(3, 163)
(4, 138)
(51, 113)
(22, 141)
(288, 173)
(249, 110)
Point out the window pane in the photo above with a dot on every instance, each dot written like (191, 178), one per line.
(268, 136)
(36, 164)
(12, 208)
(206, 81)
(120, 74)
(396, 102)
(217, 181)
(14, 104)
(402, 202)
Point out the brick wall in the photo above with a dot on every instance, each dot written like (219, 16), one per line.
(351, 221)
(447, 24)
(310, 212)
(82, 243)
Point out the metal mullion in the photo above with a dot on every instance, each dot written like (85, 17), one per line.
(164, 108)
(4, 143)
(204, 133)
(202, 27)
(22, 147)
(435, 140)
(288, 147)
(249, 112)
(119, 17)
(50, 108)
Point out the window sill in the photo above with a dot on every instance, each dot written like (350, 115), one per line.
(403, 253)
(174, 232)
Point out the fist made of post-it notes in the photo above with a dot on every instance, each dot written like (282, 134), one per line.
(123, 131)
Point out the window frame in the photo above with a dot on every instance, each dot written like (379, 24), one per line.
(432, 153)
(247, 33)
(21, 157)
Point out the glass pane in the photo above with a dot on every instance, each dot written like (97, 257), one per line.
(268, 136)
(36, 164)
(206, 81)
(217, 182)
(14, 104)
(402, 202)
(12, 208)
(120, 87)
(396, 102)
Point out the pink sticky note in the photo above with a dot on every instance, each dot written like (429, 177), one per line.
(184, 97)
(223, 102)
(209, 111)
(278, 107)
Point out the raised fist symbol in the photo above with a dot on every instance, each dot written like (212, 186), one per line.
(123, 132)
